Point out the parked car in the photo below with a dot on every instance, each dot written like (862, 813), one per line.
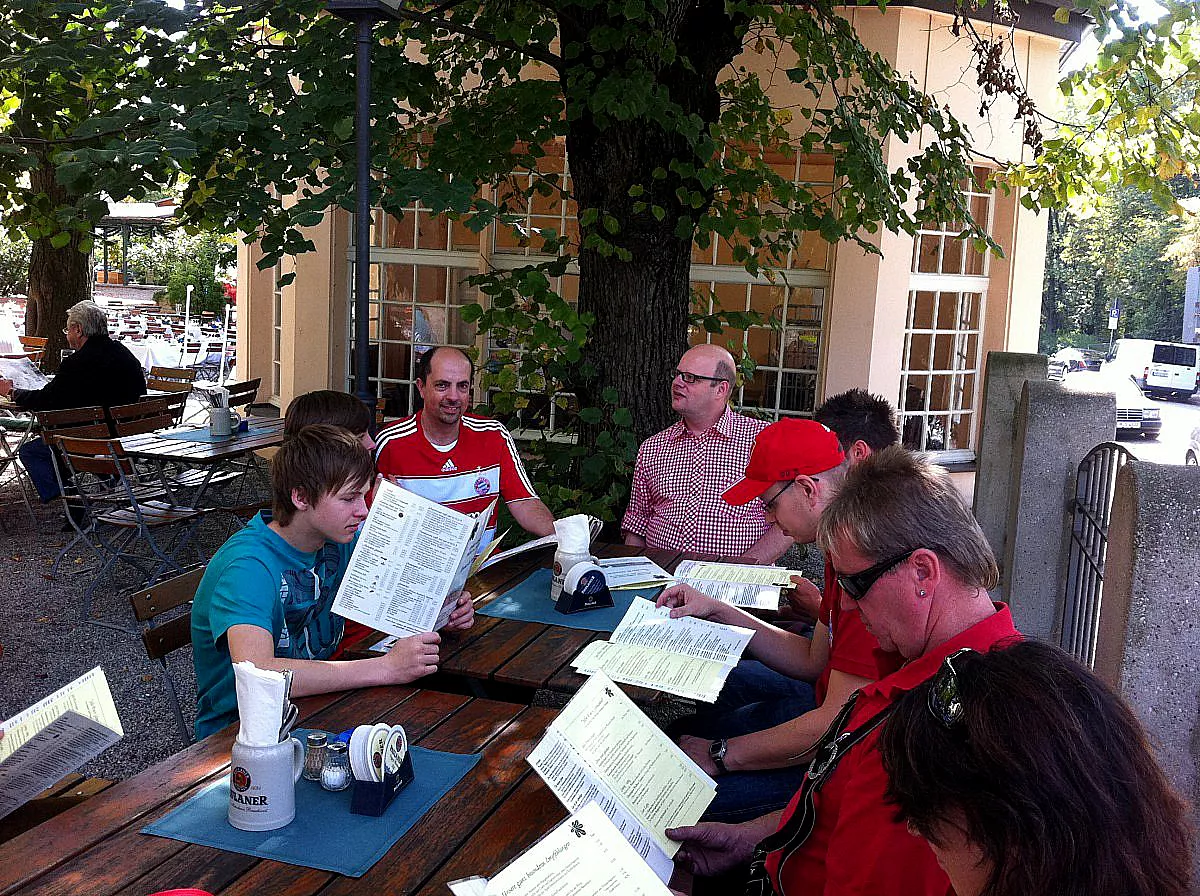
(1192, 457)
(1066, 360)
(1136, 414)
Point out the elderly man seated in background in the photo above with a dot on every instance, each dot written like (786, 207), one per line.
(100, 371)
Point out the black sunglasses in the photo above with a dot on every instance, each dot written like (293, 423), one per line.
(859, 583)
(945, 702)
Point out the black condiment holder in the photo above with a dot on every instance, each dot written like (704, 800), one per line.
(591, 593)
(373, 797)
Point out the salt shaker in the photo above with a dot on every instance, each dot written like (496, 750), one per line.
(336, 773)
(314, 755)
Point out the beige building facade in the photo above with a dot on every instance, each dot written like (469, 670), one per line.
(913, 323)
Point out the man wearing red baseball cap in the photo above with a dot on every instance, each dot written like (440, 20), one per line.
(784, 452)
(755, 734)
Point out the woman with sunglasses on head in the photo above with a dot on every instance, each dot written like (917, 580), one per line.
(1029, 777)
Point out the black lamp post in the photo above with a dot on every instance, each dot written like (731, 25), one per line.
(364, 14)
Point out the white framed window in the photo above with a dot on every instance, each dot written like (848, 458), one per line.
(940, 380)
(787, 347)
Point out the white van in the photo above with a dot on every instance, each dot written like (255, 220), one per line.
(1160, 368)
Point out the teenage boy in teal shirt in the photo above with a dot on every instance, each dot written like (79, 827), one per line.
(266, 594)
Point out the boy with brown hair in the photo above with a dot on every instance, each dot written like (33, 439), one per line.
(266, 594)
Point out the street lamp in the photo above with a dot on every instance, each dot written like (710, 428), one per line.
(364, 14)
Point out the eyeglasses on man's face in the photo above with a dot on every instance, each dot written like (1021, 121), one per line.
(692, 378)
(859, 583)
(769, 505)
(945, 701)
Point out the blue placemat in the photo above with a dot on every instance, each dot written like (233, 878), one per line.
(324, 834)
(201, 433)
(530, 601)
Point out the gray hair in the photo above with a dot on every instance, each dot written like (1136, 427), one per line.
(895, 501)
(91, 319)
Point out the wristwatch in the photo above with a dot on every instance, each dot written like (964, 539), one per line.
(716, 752)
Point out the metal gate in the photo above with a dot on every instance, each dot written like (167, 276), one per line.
(1094, 486)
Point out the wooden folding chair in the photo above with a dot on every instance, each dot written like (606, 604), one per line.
(15, 431)
(242, 395)
(35, 347)
(85, 423)
(164, 638)
(176, 376)
(146, 415)
(122, 513)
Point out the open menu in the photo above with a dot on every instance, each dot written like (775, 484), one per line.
(584, 856)
(743, 585)
(412, 557)
(689, 657)
(602, 748)
(55, 736)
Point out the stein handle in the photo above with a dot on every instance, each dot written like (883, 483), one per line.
(297, 759)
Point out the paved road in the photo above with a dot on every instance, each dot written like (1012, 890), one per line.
(1179, 418)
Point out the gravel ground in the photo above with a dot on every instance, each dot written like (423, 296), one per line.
(46, 645)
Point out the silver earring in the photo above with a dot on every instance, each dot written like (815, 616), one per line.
(922, 593)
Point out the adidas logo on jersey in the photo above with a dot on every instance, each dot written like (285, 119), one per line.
(448, 467)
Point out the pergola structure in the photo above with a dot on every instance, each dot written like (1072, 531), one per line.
(126, 217)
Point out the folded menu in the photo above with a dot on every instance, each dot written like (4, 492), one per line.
(602, 748)
(412, 558)
(743, 585)
(688, 657)
(584, 856)
(56, 736)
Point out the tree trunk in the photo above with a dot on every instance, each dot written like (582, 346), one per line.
(641, 304)
(58, 277)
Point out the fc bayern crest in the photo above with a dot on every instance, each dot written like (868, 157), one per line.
(240, 778)
(482, 486)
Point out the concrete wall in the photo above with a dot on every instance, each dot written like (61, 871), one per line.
(1055, 429)
(1149, 637)
(1005, 374)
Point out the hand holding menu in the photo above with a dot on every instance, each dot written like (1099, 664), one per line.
(743, 585)
(584, 856)
(412, 557)
(56, 736)
(689, 657)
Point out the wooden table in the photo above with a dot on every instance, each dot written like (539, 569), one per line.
(507, 659)
(211, 458)
(156, 446)
(498, 810)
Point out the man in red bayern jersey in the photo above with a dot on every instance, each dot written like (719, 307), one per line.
(454, 458)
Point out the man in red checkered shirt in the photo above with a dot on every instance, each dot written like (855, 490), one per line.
(682, 471)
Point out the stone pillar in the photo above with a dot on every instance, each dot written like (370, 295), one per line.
(1004, 379)
(1056, 428)
(1149, 635)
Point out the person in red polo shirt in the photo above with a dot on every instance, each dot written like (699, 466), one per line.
(911, 559)
(454, 458)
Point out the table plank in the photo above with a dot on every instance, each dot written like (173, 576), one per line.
(154, 446)
(503, 836)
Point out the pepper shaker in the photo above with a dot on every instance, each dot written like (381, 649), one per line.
(314, 755)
